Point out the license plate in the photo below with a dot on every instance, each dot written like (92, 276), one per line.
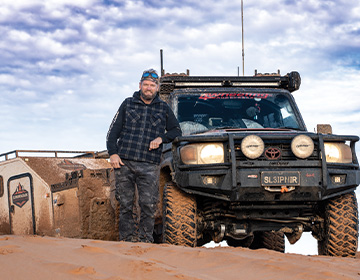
(280, 178)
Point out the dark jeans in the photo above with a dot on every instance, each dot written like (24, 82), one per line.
(144, 176)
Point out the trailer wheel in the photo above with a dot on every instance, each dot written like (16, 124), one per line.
(341, 227)
(269, 240)
(179, 217)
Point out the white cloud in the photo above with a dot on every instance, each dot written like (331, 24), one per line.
(50, 4)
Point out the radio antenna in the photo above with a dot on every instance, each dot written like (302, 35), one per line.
(162, 71)
(242, 37)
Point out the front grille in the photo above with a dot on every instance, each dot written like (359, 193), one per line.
(283, 146)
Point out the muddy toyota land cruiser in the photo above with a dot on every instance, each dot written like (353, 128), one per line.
(246, 170)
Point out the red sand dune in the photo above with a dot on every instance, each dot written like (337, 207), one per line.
(35, 257)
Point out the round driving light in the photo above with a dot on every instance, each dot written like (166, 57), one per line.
(252, 146)
(302, 146)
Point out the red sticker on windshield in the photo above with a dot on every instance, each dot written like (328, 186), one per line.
(233, 95)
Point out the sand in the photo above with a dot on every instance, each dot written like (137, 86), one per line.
(36, 257)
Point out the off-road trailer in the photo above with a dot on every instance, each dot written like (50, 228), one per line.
(57, 193)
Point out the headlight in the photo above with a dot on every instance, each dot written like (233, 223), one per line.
(302, 146)
(202, 153)
(252, 146)
(338, 152)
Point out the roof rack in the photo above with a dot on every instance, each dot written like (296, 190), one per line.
(290, 81)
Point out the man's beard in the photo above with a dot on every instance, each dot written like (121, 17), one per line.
(147, 97)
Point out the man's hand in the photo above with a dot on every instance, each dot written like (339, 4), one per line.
(116, 161)
(154, 144)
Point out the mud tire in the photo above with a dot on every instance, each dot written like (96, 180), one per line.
(179, 217)
(269, 240)
(341, 227)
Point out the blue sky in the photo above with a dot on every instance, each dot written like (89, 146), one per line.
(65, 68)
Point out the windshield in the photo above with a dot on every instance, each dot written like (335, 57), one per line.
(204, 111)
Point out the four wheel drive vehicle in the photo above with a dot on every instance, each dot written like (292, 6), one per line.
(246, 170)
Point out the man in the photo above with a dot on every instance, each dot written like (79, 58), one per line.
(134, 143)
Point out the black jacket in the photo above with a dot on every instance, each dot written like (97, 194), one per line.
(136, 124)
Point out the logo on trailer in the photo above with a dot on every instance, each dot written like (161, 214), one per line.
(20, 196)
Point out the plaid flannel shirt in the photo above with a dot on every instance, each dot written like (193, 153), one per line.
(136, 124)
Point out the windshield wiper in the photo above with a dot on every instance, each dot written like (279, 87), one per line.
(214, 128)
(229, 127)
(288, 127)
(200, 131)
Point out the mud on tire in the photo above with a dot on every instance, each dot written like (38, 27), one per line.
(341, 227)
(269, 240)
(179, 217)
